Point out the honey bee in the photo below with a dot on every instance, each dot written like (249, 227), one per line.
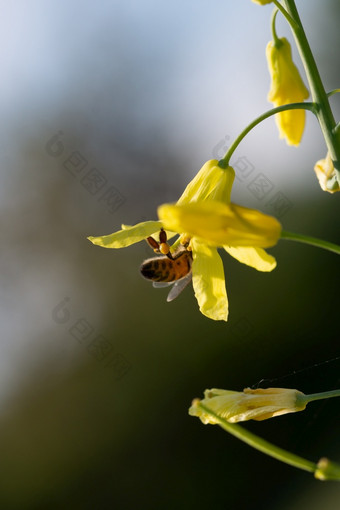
(170, 269)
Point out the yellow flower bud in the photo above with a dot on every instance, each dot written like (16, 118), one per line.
(262, 2)
(286, 87)
(327, 470)
(326, 175)
(260, 404)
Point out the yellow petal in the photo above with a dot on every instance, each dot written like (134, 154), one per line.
(208, 281)
(254, 257)
(219, 224)
(128, 235)
(211, 183)
(286, 87)
(262, 2)
(291, 125)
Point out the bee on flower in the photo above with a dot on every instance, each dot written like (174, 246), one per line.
(204, 220)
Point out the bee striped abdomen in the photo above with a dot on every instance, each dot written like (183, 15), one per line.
(164, 269)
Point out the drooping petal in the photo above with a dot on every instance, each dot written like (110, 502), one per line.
(128, 235)
(286, 87)
(254, 257)
(219, 224)
(211, 183)
(291, 125)
(208, 281)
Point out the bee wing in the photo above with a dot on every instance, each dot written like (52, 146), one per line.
(161, 285)
(178, 286)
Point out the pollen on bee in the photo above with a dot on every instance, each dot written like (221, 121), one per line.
(164, 248)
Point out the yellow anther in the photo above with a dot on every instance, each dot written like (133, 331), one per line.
(184, 239)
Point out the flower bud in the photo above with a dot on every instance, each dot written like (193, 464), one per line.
(286, 87)
(326, 175)
(260, 404)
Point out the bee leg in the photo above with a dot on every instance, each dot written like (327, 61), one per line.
(161, 246)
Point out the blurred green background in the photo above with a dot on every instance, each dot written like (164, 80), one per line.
(109, 110)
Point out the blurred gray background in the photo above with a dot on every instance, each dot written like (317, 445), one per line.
(108, 110)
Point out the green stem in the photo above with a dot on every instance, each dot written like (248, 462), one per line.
(324, 113)
(260, 444)
(320, 396)
(276, 39)
(283, 11)
(224, 162)
(300, 238)
(335, 91)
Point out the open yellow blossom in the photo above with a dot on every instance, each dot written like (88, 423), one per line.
(205, 217)
(326, 175)
(286, 87)
(260, 404)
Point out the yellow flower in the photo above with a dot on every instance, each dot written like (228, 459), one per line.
(286, 87)
(326, 175)
(204, 217)
(260, 404)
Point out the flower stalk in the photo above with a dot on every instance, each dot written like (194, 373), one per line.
(283, 11)
(261, 444)
(224, 162)
(320, 396)
(323, 470)
(324, 112)
(313, 241)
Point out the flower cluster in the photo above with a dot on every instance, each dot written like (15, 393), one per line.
(205, 220)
